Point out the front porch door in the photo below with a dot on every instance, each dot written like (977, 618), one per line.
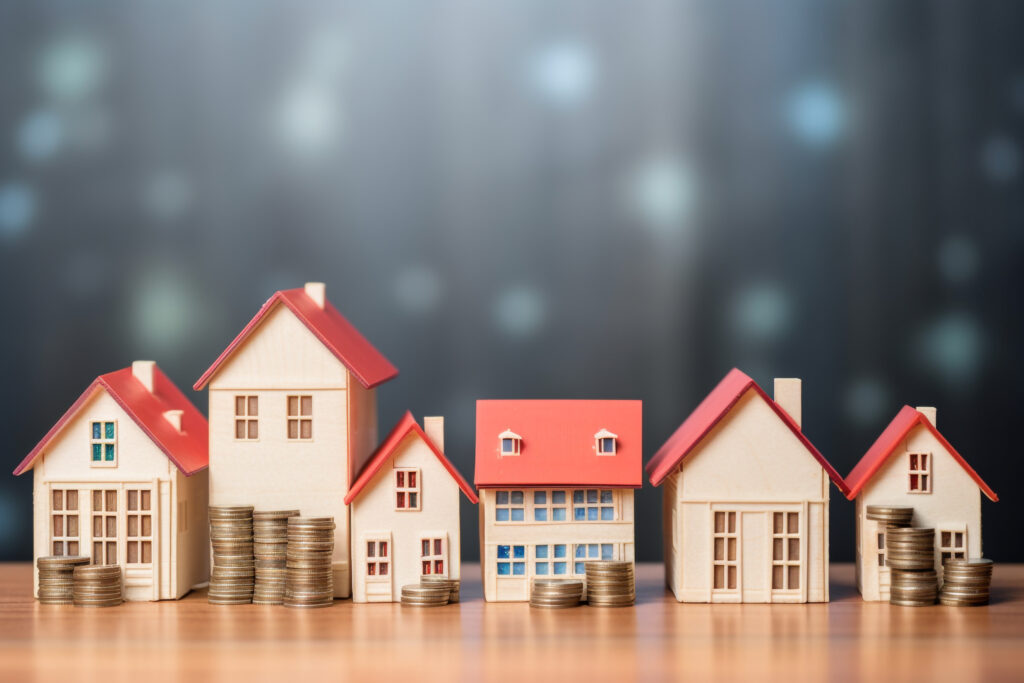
(379, 558)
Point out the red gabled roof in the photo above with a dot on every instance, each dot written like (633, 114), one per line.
(558, 443)
(890, 439)
(406, 426)
(341, 338)
(709, 413)
(186, 449)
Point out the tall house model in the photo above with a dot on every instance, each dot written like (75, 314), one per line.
(293, 412)
(911, 464)
(746, 499)
(405, 513)
(122, 478)
(556, 481)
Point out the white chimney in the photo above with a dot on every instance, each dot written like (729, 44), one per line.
(317, 291)
(174, 417)
(142, 370)
(434, 428)
(928, 412)
(787, 396)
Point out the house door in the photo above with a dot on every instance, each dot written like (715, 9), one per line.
(876, 555)
(377, 580)
(755, 560)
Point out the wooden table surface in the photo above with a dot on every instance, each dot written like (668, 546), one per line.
(472, 640)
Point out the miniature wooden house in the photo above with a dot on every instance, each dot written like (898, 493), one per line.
(293, 412)
(746, 499)
(405, 513)
(911, 464)
(556, 481)
(122, 478)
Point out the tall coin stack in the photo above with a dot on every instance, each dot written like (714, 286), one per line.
(233, 573)
(97, 585)
(56, 578)
(910, 554)
(890, 516)
(309, 577)
(270, 546)
(556, 593)
(966, 582)
(425, 595)
(437, 580)
(610, 583)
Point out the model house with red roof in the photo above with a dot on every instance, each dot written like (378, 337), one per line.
(121, 477)
(911, 464)
(293, 412)
(746, 499)
(556, 482)
(405, 512)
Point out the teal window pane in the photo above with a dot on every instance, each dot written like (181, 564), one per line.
(558, 514)
(560, 550)
(96, 430)
(607, 514)
(518, 515)
(606, 551)
(109, 454)
(592, 551)
(97, 452)
(108, 430)
(541, 551)
(503, 569)
(542, 568)
(540, 497)
(501, 514)
(503, 552)
(558, 497)
(560, 567)
(519, 551)
(581, 551)
(579, 569)
(518, 569)
(580, 514)
(591, 514)
(540, 514)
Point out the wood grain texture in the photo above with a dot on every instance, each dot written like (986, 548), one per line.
(473, 640)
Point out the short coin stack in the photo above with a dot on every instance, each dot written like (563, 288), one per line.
(910, 554)
(890, 516)
(437, 580)
(610, 583)
(233, 572)
(425, 595)
(556, 593)
(966, 582)
(309, 576)
(97, 585)
(270, 546)
(56, 578)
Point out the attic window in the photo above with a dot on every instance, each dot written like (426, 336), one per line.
(605, 442)
(509, 443)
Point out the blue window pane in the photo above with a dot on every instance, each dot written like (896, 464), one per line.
(540, 497)
(540, 514)
(558, 497)
(606, 445)
(580, 514)
(507, 446)
(541, 551)
(503, 569)
(606, 497)
(542, 568)
(560, 550)
(591, 495)
(591, 514)
(577, 496)
(518, 515)
(109, 430)
(607, 514)
(519, 551)
(581, 551)
(97, 451)
(606, 551)
(503, 552)
(502, 498)
(592, 551)
(109, 453)
(560, 567)
(558, 514)
(518, 568)
(517, 497)
(579, 569)
(96, 430)
(501, 514)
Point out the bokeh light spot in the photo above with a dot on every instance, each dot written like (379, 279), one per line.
(167, 195)
(40, 135)
(661, 192)
(816, 114)
(308, 118)
(761, 312)
(866, 400)
(418, 289)
(520, 311)
(1000, 159)
(564, 73)
(958, 259)
(72, 67)
(953, 347)
(17, 209)
(168, 312)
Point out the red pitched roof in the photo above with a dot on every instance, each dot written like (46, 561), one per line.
(407, 426)
(558, 443)
(890, 439)
(709, 413)
(186, 449)
(341, 338)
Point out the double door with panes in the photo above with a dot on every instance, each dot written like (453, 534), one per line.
(757, 555)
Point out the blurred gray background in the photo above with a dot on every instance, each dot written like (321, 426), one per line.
(526, 198)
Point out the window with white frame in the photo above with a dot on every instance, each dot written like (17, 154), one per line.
(104, 527)
(407, 489)
(511, 560)
(509, 506)
(103, 444)
(549, 506)
(952, 544)
(585, 552)
(509, 443)
(139, 531)
(64, 522)
(786, 551)
(378, 563)
(432, 556)
(605, 442)
(300, 418)
(247, 424)
(592, 505)
(724, 561)
(550, 560)
(919, 472)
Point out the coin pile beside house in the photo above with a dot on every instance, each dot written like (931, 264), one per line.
(436, 580)
(232, 575)
(610, 583)
(56, 578)
(556, 593)
(270, 547)
(425, 595)
(910, 555)
(309, 577)
(97, 585)
(966, 581)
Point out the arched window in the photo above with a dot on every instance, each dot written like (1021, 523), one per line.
(605, 442)
(509, 443)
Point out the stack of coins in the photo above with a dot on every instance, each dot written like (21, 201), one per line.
(424, 595)
(437, 580)
(233, 572)
(309, 577)
(270, 546)
(610, 584)
(890, 516)
(97, 585)
(910, 554)
(556, 593)
(56, 578)
(966, 582)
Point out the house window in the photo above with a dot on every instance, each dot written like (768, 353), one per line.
(881, 548)
(952, 544)
(786, 551)
(432, 555)
(509, 506)
(407, 489)
(247, 424)
(139, 535)
(605, 442)
(920, 472)
(584, 552)
(300, 418)
(511, 560)
(550, 559)
(724, 561)
(103, 444)
(377, 561)
(64, 522)
(549, 506)
(509, 443)
(104, 527)
(591, 505)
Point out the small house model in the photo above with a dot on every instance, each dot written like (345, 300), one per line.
(556, 481)
(911, 464)
(405, 513)
(122, 478)
(746, 499)
(293, 412)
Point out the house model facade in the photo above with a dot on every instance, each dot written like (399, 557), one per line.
(746, 499)
(911, 464)
(122, 478)
(556, 481)
(293, 413)
(405, 513)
